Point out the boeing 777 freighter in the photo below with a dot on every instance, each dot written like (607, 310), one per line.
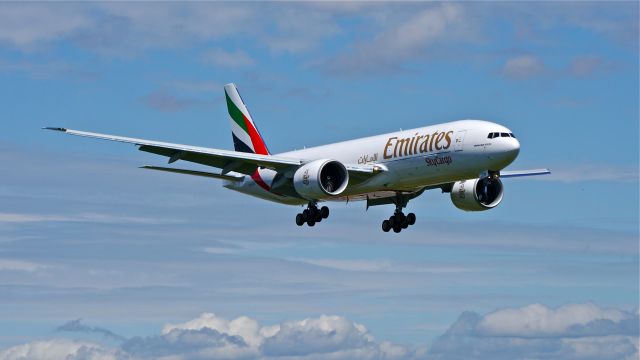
(464, 158)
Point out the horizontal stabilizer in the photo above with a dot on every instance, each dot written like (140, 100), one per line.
(194, 173)
(517, 173)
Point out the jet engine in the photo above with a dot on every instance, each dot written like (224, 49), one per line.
(477, 194)
(320, 179)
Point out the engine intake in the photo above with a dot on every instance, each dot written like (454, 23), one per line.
(477, 194)
(321, 179)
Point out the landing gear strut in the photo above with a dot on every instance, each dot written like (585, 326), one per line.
(399, 220)
(312, 215)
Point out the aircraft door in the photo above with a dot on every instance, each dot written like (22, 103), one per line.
(459, 140)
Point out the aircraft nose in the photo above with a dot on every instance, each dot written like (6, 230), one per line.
(513, 149)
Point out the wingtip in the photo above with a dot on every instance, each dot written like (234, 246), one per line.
(54, 128)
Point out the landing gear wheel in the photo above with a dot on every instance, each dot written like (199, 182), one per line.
(401, 218)
(386, 226)
(411, 218)
(312, 215)
(392, 220)
(397, 229)
(405, 224)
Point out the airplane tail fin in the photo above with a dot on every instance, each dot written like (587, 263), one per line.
(246, 137)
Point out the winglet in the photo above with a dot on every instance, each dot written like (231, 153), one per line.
(54, 128)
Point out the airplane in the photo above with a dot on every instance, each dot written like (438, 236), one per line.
(464, 158)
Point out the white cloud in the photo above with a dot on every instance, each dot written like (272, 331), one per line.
(381, 266)
(27, 218)
(59, 349)
(523, 67)
(242, 326)
(300, 27)
(123, 29)
(26, 25)
(591, 172)
(228, 59)
(83, 217)
(572, 331)
(19, 265)
(586, 65)
(212, 337)
(405, 41)
(537, 320)
(350, 265)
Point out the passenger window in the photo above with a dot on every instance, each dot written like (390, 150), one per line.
(504, 135)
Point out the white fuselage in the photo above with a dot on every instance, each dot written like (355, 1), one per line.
(414, 158)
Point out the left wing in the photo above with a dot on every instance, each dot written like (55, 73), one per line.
(241, 162)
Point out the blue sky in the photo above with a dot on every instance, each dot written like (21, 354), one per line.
(85, 234)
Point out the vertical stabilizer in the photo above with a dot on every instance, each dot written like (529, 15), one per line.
(246, 137)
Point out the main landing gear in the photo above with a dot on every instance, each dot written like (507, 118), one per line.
(399, 220)
(312, 215)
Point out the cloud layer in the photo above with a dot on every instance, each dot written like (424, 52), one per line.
(212, 337)
(572, 331)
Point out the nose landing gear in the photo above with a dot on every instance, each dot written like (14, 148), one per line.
(312, 215)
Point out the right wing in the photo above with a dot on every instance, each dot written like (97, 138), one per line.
(518, 173)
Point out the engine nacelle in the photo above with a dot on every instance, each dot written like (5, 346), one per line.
(320, 179)
(477, 194)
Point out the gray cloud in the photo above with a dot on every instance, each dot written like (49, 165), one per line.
(48, 70)
(28, 25)
(388, 37)
(228, 59)
(573, 331)
(587, 65)
(166, 102)
(57, 349)
(78, 327)
(403, 42)
(523, 67)
(592, 172)
(212, 337)
(20, 265)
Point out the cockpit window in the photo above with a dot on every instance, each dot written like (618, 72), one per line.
(494, 135)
